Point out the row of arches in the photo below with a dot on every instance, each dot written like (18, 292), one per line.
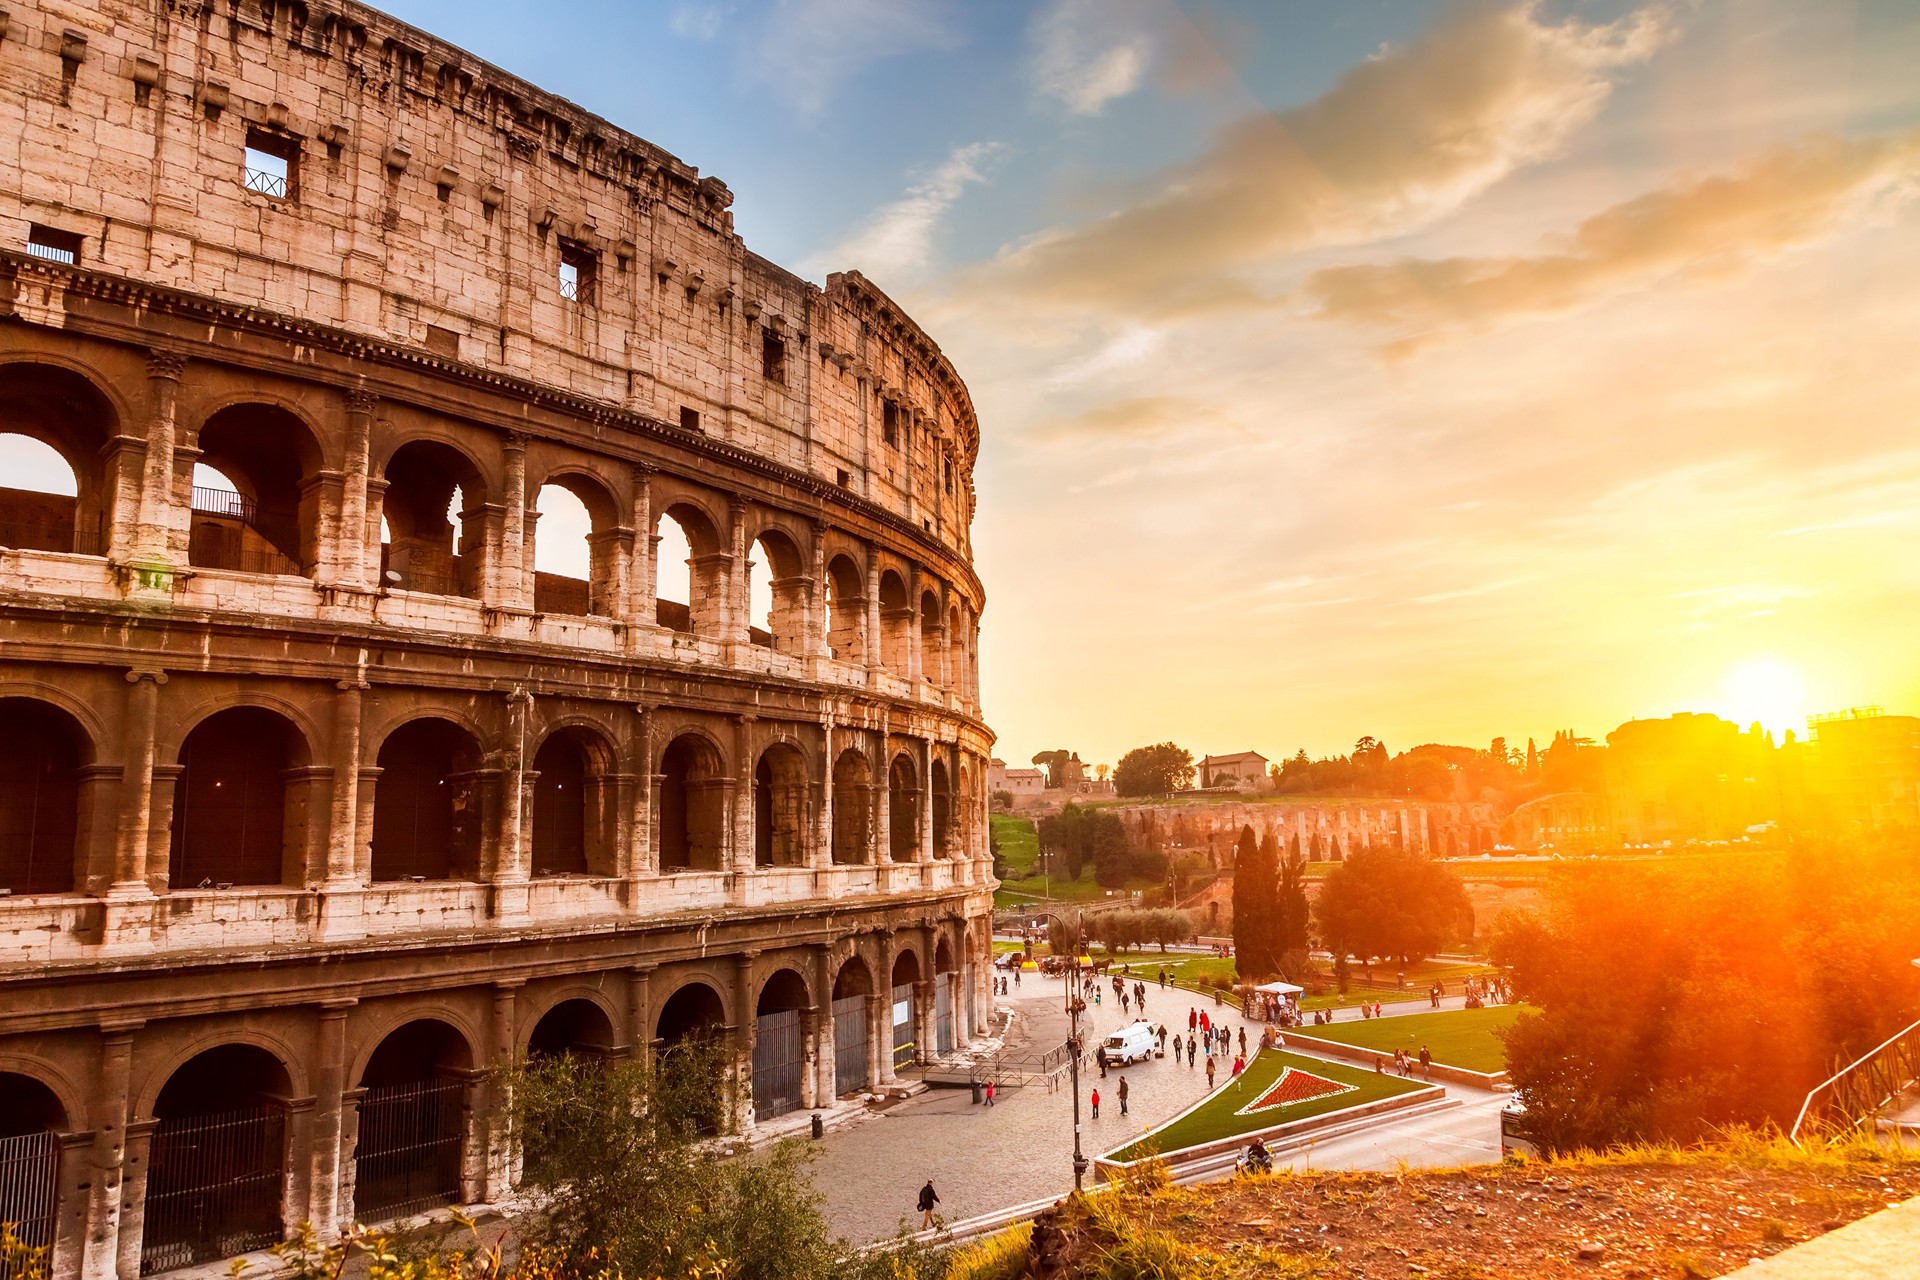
(229, 1126)
(266, 498)
(248, 802)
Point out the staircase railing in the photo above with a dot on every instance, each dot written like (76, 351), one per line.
(1857, 1092)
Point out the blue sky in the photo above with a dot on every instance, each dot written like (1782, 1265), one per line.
(1428, 370)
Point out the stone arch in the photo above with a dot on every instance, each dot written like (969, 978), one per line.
(707, 565)
(940, 797)
(64, 407)
(575, 820)
(959, 652)
(426, 809)
(896, 623)
(583, 576)
(694, 1014)
(852, 807)
(782, 808)
(269, 521)
(242, 803)
(431, 483)
(907, 967)
(932, 643)
(32, 1116)
(576, 1023)
(846, 610)
(903, 808)
(853, 978)
(690, 805)
(943, 954)
(778, 596)
(410, 1153)
(45, 788)
(68, 1096)
(784, 988)
(779, 1044)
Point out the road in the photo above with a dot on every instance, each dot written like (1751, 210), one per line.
(1021, 1150)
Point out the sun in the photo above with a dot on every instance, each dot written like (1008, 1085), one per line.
(1769, 690)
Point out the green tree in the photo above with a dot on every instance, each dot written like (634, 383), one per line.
(1158, 770)
(1392, 902)
(1052, 761)
(1290, 908)
(1254, 890)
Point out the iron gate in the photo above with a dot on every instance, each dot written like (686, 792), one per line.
(849, 1044)
(903, 1047)
(779, 1057)
(943, 1013)
(413, 1137)
(29, 1185)
(213, 1187)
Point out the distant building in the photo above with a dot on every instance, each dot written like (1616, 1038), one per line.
(1689, 777)
(1242, 769)
(1019, 782)
(1866, 767)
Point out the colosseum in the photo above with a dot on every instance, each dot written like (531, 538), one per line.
(331, 776)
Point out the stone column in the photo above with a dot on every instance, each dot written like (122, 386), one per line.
(68, 1246)
(824, 1070)
(819, 615)
(510, 843)
(744, 1004)
(329, 1082)
(136, 784)
(874, 642)
(641, 569)
(736, 616)
(916, 660)
(822, 856)
(923, 1041)
(882, 834)
(107, 1198)
(924, 761)
(502, 1050)
(133, 1195)
(642, 858)
(882, 1037)
(153, 541)
(350, 557)
(344, 818)
(509, 589)
(640, 1012)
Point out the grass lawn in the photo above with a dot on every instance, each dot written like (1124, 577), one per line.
(1216, 1118)
(1457, 1037)
(1019, 843)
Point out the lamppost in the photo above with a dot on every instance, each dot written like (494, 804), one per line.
(1074, 1005)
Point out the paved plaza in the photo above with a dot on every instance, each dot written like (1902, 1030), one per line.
(982, 1159)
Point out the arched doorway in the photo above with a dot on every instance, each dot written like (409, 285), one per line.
(852, 992)
(896, 624)
(692, 807)
(690, 571)
(780, 807)
(31, 1120)
(43, 752)
(903, 809)
(932, 646)
(55, 428)
(218, 1159)
(846, 611)
(230, 810)
(779, 1045)
(253, 508)
(852, 808)
(560, 806)
(941, 795)
(578, 549)
(410, 1152)
(430, 486)
(695, 1018)
(906, 973)
(578, 1027)
(426, 822)
(777, 597)
(944, 997)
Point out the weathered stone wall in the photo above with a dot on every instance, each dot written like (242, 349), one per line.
(1326, 829)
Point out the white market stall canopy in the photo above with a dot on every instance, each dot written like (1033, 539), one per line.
(1279, 989)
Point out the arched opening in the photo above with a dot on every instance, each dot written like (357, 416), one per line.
(411, 1150)
(232, 820)
(896, 624)
(780, 808)
(777, 594)
(852, 992)
(43, 753)
(430, 487)
(577, 1026)
(846, 611)
(31, 1120)
(690, 571)
(779, 1045)
(218, 1159)
(253, 508)
(426, 810)
(944, 997)
(852, 808)
(903, 808)
(906, 973)
(694, 1017)
(940, 793)
(932, 644)
(54, 425)
(571, 807)
(576, 555)
(959, 663)
(692, 805)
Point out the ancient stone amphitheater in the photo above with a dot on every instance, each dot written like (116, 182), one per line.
(331, 777)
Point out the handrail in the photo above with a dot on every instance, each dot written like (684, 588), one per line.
(1865, 1061)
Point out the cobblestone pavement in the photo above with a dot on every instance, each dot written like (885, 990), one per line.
(982, 1159)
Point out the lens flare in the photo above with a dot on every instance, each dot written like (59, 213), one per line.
(1768, 690)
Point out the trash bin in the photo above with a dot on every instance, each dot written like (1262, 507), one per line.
(819, 1126)
(978, 1093)
(1217, 999)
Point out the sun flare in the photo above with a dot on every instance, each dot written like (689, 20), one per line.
(1768, 690)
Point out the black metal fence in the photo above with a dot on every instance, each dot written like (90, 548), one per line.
(850, 1044)
(29, 1186)
(779, 1058)
(213, 1187)
(943, 1013)
(412, 1142)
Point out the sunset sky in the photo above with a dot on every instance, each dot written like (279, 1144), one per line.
(1426, 370)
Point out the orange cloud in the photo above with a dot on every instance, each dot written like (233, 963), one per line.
(1789, 196)
(1400, 139)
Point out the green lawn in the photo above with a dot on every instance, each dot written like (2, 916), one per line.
(1019, 843)
(1216, 1118)
(1458, 1037)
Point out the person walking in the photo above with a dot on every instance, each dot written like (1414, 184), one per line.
(1096, 1104)
(1426, 1063)
(1209, 1071)
(1239, 1065)
(989, 1093)
(1243, 1042)
(1193, 1018)
(1193, 1047)
(928, 1198)
(1163, 1041)
(1121, 1093)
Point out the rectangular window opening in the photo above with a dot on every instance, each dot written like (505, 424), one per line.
(271, 164)
(773, 356)
(890, 422)
(689, 419)
(578, 270)
(53, 244)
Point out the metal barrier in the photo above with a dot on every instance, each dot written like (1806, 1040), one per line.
(850, 1044)
(213, 1187)
(1856, 1093)
(412, 1141)
(779, 1055)
(29, 1186)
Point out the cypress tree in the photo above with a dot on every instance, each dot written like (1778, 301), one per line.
(1290, 933)
(1254, 893)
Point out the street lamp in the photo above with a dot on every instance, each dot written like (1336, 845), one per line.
(1074, 1004)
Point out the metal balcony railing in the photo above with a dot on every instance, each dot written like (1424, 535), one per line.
(1859, 1091)
(223, 502)
(266, 183)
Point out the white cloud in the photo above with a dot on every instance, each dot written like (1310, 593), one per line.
(807, 48)
(698, 21)
(1089, 52)
(896, 243)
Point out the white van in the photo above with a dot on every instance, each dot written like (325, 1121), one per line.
(1134, 1043)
